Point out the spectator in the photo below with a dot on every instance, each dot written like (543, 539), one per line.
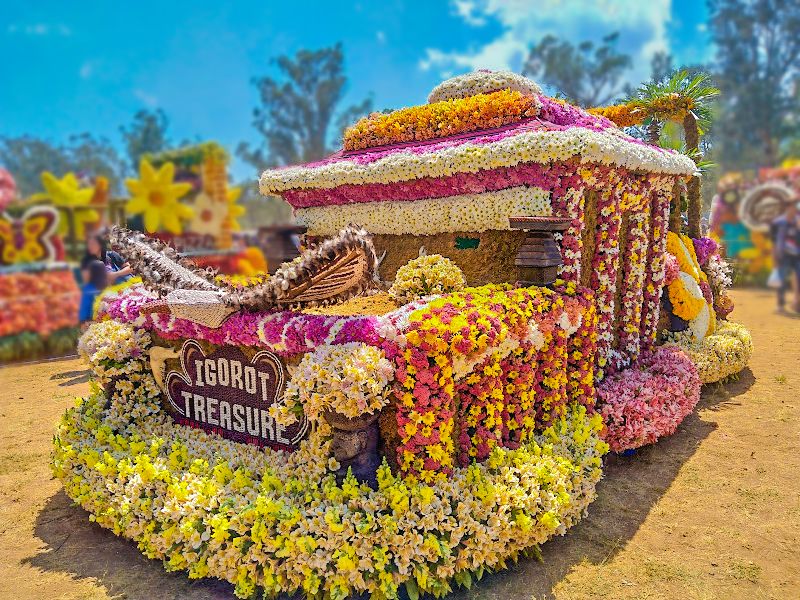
(96, 281)
(786, 253)
(118, 269)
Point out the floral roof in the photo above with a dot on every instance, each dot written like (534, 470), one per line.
(464, 132)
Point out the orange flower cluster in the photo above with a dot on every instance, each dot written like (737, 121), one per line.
(40, 302)
(441, 119)
(622, 115)
(671, 107)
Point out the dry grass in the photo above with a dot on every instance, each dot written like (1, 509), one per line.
(711, 512)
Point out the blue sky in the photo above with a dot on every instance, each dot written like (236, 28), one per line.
(70, 67)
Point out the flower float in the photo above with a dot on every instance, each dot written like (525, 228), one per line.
(291, 437)
(128, 443)
(155, 196)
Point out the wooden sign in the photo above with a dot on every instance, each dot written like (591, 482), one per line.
(228, 394)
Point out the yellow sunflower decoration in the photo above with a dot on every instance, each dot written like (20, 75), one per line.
(235, 210)
(68, 195)
(155, 195)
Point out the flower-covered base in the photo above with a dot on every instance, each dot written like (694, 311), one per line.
(720, 355)
(649, 400)
(280, 523)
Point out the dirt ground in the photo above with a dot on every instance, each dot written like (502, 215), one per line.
(711, 512)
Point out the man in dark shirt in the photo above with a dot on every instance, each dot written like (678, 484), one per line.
(786, 253)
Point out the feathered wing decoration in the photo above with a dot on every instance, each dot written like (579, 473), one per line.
(336, 270)
(161, 267)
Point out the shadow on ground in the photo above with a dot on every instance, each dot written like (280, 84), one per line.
(71, 377)
(630, 488)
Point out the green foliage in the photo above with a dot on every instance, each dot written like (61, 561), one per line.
(697, 87)
(758, 68)
(26, 157)
(147, 134)
(299, 113)
(585, 74)
(186, 157)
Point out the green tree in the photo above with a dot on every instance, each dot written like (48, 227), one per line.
(758, 70)
(686, 98)
(299, 113)
(26, 157)
(585, 74)
(147, 134)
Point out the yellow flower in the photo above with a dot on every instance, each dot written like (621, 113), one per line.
(156, 196)
(235, 210)
(67, 193)
(209, 215)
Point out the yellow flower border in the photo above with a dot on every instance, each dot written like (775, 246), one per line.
(441, 119)
(721, 354)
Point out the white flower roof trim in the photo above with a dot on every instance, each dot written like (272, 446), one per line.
(612, 147)
(483, 82)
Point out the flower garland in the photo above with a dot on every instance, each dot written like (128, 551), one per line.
(483, 82)
(426, 275)
(649, 400)
(440, 119)
(275, 523)
(475, 346)
(350, 379)
(466, 212)
(654, 280)
(632, 297)
(720, 354)
(604, 271)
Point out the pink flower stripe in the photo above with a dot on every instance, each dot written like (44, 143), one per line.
(282, 332)
(649, 400)
(559, 177)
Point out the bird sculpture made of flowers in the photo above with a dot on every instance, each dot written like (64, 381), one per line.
(335, 270)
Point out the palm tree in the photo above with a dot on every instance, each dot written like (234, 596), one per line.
(686, 99)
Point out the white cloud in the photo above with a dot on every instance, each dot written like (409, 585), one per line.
(40, 29)
(469, 11)
(146, 98)
(642, 26)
